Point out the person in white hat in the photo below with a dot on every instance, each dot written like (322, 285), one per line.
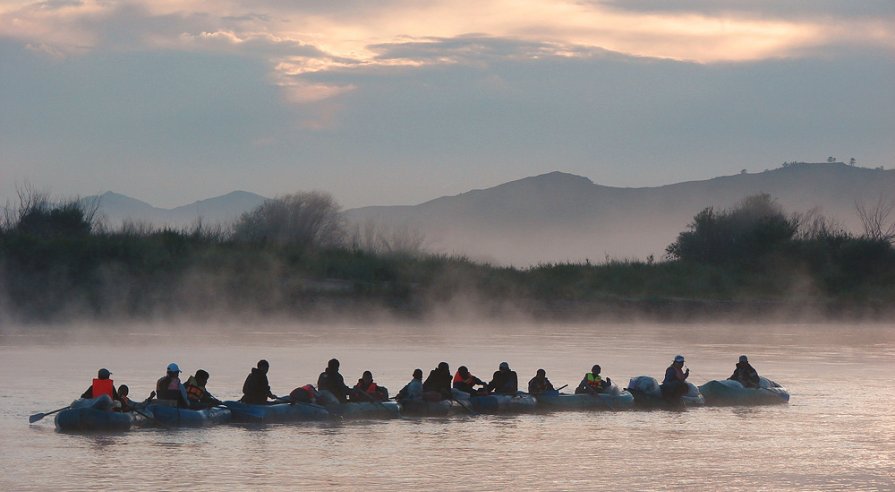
(745, 373)
(171, 389)
(675, 383)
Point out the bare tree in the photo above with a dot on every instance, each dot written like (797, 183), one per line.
(311, 219)
(876, 219)
(377, 238)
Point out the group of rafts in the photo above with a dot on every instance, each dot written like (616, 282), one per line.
(642, 392)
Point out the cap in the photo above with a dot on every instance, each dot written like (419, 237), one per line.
(505, 365)
(172, 367)
(743, 358)
(678, 358)
(103, 373)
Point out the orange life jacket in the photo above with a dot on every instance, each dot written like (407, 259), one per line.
(193, 390)
(103, 387)
(470, 380)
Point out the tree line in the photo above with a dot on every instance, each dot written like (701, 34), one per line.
(296, 256)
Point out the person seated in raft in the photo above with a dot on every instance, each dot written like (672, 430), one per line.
(305, 394)
(102, 385)
(126, 404)
(466, 382)
(437, 386)
(414, 389)
(330, 380)
(745, 373)
(675, 383)
(366, 390)
(539, 384)
(593, 383)
(504, 381)
(169, 387)
(199, 397)
(256, 389)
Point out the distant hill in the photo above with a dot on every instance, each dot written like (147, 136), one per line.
(562, 217)
(114, 209)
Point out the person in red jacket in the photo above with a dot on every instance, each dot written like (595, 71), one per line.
(367, 390)
(102, 385)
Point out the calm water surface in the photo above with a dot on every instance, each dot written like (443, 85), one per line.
(838, 433)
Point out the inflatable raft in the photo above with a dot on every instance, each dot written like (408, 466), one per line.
(443, 408)
(183, 417)
(93, 414)
(278, 412)
(729, 392)
(613, 398)
(518, 403)
(366, 410)
(647, 394)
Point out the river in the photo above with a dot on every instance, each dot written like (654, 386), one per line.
(837, 433)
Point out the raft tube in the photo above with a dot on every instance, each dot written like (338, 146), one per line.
(518, 403)
(367, 410)
(612, 399)
(93, 414)
(278, 412)
(729, 392)
(185, 417)
(423, 408)
(647, 394)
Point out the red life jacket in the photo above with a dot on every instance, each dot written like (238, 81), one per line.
(470, 380)
(103, 387)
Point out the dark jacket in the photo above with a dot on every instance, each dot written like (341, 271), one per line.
(440, 382)
(333, 382)
(672, 376)
(537, 386)
(746, 375)
(164, 392)
(504, 382)
(256, 389)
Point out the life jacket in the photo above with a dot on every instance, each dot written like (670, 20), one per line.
(193, 390)
(470, 379)
(103, 387)
(372, 389)
(594, 381)
(168, 388)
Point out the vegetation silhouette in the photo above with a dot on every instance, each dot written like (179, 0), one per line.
(294, 257)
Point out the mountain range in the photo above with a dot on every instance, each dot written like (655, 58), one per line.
(559, 217)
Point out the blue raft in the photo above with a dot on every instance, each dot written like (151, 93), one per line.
(518, 403)
(366, 410)
(647, 394)
(612, 399)
(183, 417)
(93, 414)
(728, 392)
(278, 412)
(423, 408)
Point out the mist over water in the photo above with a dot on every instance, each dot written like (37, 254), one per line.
(838, 432)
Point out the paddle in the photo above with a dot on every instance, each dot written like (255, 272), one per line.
(38, 416)
(561, 387)
(470, 410)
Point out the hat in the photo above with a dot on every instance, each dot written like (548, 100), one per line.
(172, 367)
(678, 358)
(743, 358)
(103, 373)
(505, 365)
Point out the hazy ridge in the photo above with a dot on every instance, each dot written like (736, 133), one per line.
(558, 217)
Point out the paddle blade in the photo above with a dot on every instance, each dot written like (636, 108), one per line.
(37, 416)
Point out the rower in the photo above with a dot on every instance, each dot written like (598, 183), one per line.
(169, 387)
(504, 381)
(256, 389)
(540, 384)
(593, 383)
(746, 374)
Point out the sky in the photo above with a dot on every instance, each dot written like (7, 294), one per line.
(398, 102)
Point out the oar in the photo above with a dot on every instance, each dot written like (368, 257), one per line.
(471, 411)
(152, 418)
(561, 387)
(38, 416)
